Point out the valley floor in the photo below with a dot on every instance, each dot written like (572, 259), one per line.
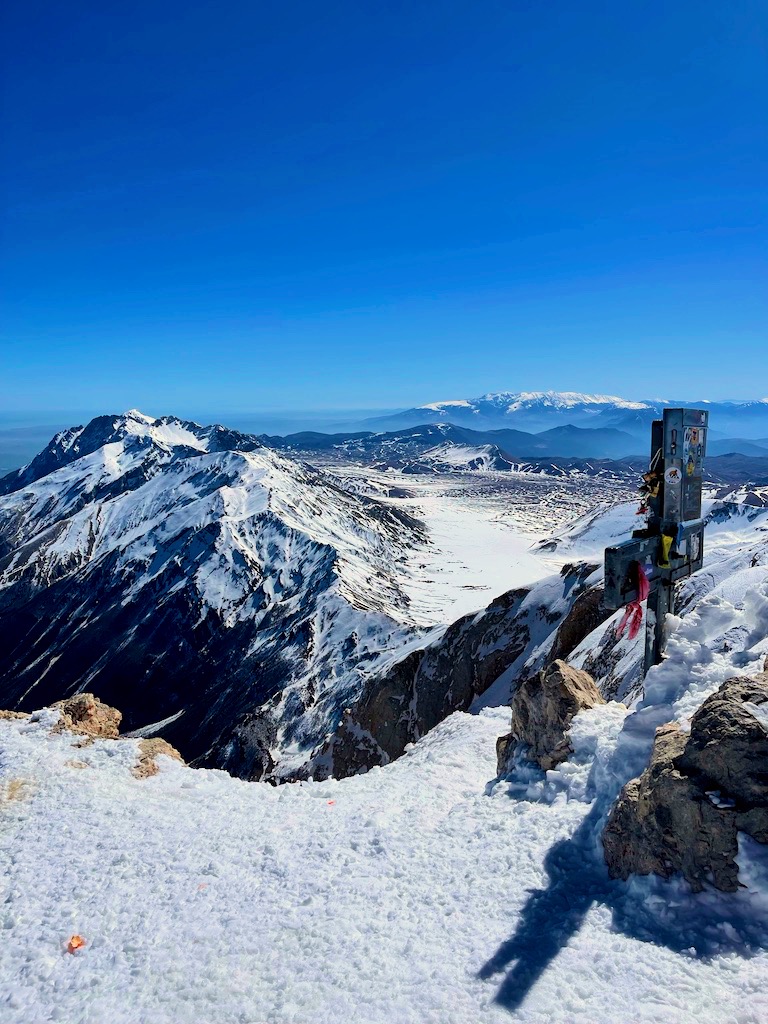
(482, 530)
(415, 894)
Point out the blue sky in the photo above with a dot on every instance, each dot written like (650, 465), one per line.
(282, 205)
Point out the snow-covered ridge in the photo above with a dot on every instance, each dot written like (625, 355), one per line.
(146, 551)
(514, 401)
(541, 410)
(451, 404)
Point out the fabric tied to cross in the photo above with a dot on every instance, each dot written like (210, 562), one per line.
(632, 618)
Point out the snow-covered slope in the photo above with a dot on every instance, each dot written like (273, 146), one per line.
(194, 577)
(461, 458)
(425, 892)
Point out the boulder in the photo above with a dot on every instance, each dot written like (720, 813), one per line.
(542, 711)
(684, 813)
(663, 823)
(149, 751)
(85, 715)
(728, 745)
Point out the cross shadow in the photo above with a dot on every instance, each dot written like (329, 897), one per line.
(713, 923)
(551, 916)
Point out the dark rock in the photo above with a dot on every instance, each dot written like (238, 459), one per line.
(586, 614)
(663, 823)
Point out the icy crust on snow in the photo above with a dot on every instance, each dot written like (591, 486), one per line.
(417, 893)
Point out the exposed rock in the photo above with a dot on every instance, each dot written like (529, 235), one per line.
(586, 614)
(663, 823)
(149, 750)
(542, 711)
(85, 715)
(424, 687)
(684, 812)
(728, 745)
(417, 692)
(8, 716)
(505, 747)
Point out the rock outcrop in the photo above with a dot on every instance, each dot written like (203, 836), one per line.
(415, 693)
(149, 751)
(86, 715)
(542, 711)
(728, 745)
(685, 810)
(586, 614)
(9, 716)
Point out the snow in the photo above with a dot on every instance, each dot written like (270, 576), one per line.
(563, 400)
(479, 457)
(169, 432)
(416, 893)
(426, 891)
(456, 403)
(758, 711)
(515, 401)
(475, 554)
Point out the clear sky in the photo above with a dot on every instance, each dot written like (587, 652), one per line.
(276, 204)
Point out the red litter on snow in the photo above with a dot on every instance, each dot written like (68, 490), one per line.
(331, 801)
(75, 943)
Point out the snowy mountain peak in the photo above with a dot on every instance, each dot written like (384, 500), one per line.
(180, 568)
(513, 401)
(564, 400)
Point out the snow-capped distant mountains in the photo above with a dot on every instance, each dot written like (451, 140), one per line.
(210, 587)
(541, 410)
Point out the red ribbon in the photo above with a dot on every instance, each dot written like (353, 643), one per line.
(633, 613)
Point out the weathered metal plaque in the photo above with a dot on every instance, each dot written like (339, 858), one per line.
(620, 577)
(685, 442)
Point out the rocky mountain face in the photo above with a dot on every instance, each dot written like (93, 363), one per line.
(223, 595)
(483, 656)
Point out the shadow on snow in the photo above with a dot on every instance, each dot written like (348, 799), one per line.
(711, 923)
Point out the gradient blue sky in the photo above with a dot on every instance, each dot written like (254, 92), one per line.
(276, 205)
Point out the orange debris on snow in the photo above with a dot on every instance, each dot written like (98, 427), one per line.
(76, 942)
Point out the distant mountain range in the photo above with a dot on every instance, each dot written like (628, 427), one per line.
(536, 411)
(394, 448)
(406, 449)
